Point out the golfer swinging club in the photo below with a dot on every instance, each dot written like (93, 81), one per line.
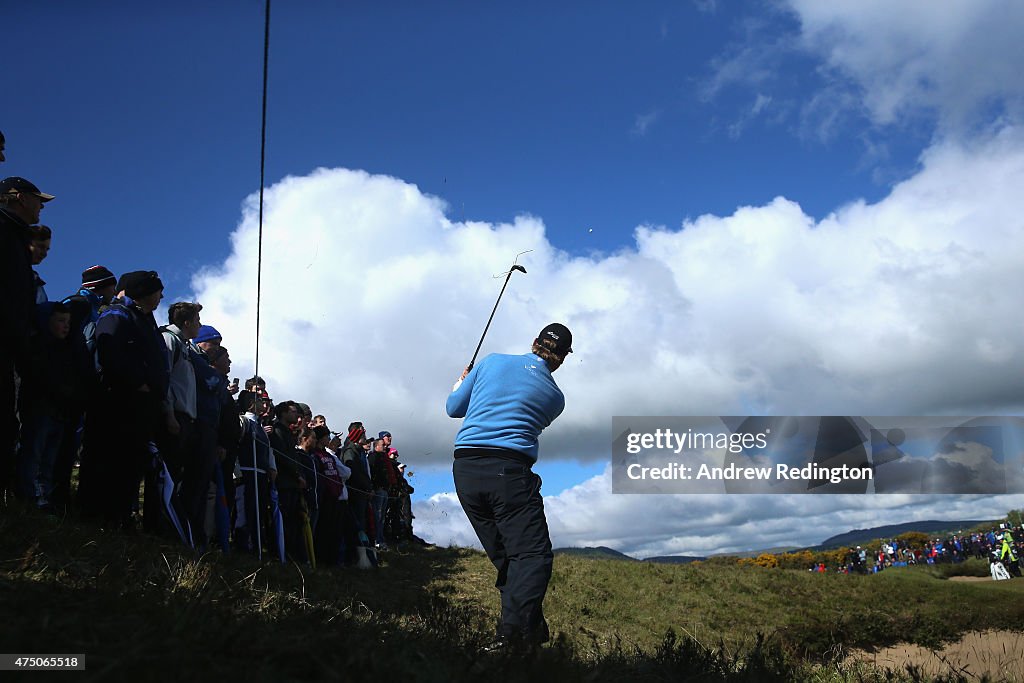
(507, 401)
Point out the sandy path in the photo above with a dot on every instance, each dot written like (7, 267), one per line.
(1000, 654)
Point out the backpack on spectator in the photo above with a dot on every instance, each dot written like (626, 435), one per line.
(175, 344)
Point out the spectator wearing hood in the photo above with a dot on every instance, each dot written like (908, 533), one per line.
(134, 384)
(20, 204)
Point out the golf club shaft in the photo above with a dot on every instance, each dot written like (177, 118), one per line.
(488, 326)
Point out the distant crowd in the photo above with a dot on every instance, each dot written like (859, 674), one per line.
(1003, 544)
(93, 380)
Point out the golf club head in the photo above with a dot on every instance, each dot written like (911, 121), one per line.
(519, 268)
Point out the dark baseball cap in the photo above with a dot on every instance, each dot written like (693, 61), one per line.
(560, 335)
(16, 184)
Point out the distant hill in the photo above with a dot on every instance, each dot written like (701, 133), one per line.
(931, 526)
(673, 559)
(754, 553)
(605, 553)
(850, 538)
(600, 552)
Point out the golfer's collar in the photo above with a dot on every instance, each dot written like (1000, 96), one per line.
(538, 359)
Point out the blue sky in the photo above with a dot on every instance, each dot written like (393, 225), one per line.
(621, 143)
(148, 120)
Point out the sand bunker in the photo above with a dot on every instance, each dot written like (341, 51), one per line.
(999, 654)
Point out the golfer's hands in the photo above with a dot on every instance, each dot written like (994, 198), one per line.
(455, 387)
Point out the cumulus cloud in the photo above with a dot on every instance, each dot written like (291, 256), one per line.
(889, 64)
(373, 300)
(959, 63)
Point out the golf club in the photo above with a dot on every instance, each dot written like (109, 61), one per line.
(513, 269)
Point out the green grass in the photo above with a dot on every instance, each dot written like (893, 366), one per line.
(143, 609)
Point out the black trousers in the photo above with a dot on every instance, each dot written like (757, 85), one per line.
(327, 537)
(115, 453)
(8, 425)
(289, 502)
(503, 502)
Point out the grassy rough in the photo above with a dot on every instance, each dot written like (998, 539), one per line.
(143, 609)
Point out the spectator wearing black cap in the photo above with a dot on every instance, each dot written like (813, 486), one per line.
(135, 380)
(20, 204)
(94, 295)
(86, 305)
(507, 401)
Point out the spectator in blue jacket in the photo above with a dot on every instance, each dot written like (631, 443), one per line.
(134, 382)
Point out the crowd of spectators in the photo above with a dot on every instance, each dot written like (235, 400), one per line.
(1003, 544)
(93, 380)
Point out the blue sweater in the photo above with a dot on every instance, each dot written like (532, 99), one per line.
(507, 402)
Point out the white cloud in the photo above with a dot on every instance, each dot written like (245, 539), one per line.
(644, 121)
(899, 64)
(761, 103)
(959, 61)
(373, 301)
(706, 6)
